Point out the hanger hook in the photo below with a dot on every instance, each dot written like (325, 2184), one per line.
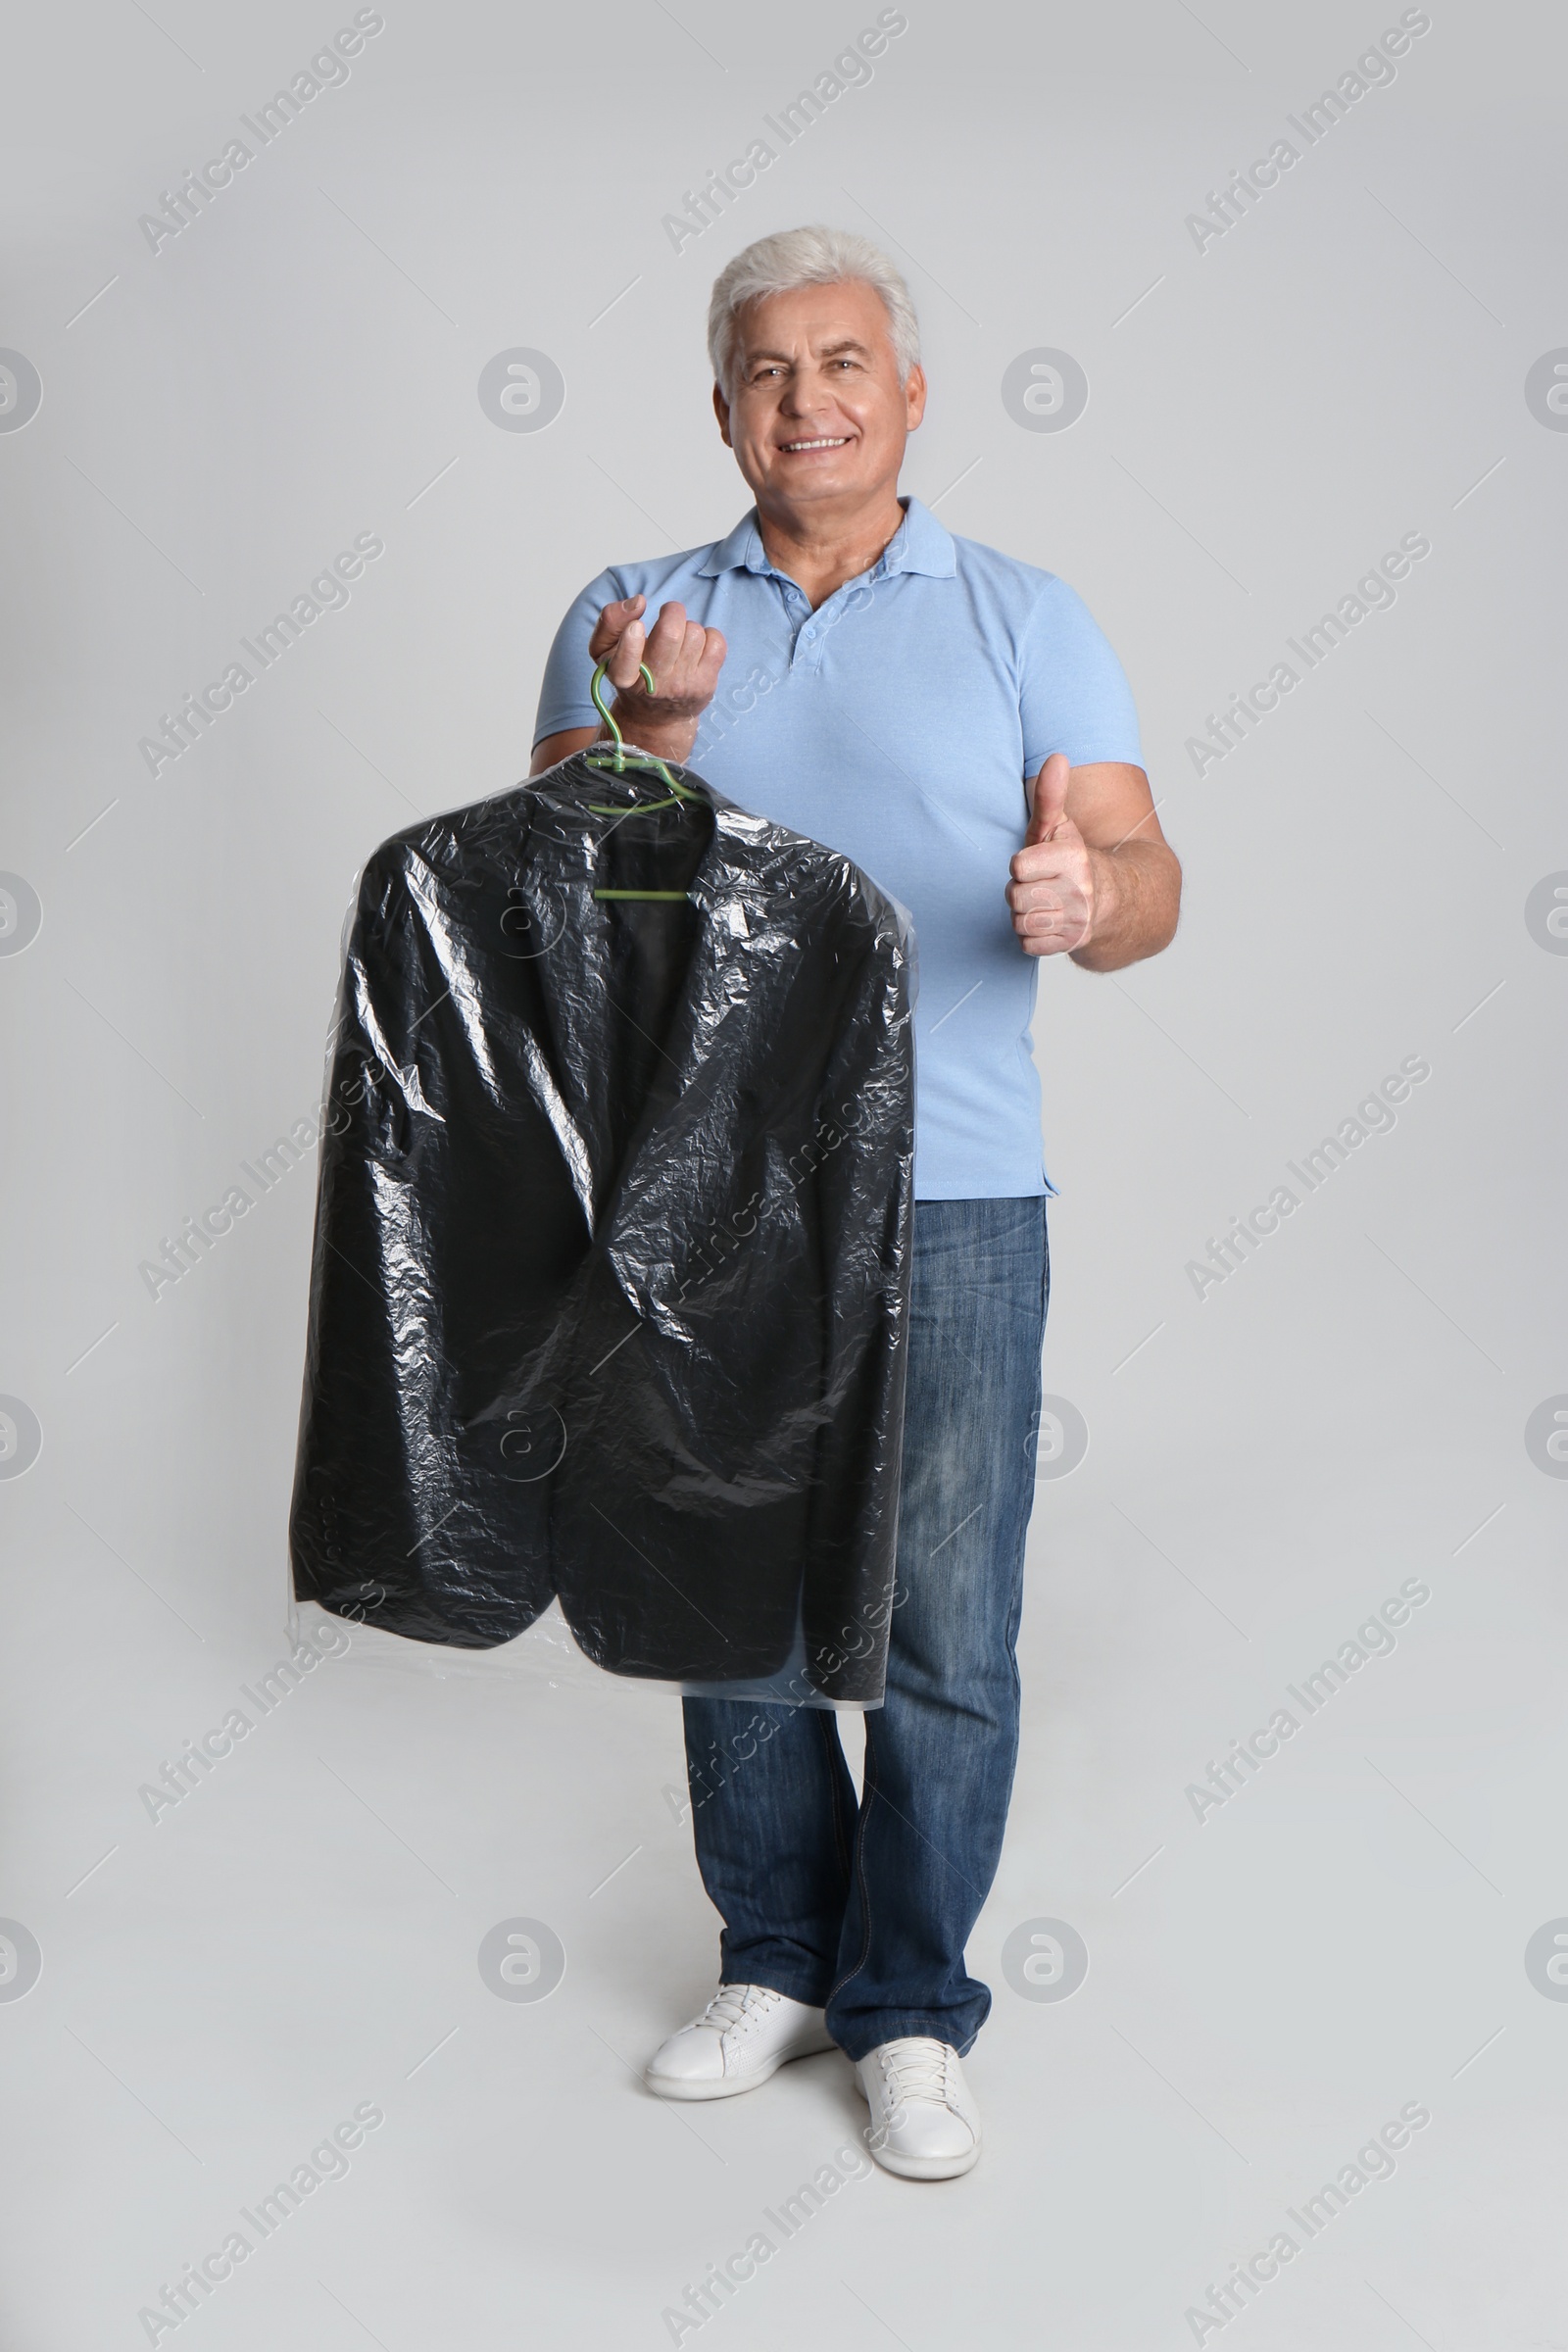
(620, 758)
(608, 715)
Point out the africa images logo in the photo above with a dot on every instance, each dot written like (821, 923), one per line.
(20, 391)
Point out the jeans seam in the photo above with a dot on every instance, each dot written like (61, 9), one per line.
(835, 1769)
(867, 1793)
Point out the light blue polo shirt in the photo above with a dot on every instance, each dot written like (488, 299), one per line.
(896, 724)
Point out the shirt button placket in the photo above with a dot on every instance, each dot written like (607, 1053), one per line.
(809, 644)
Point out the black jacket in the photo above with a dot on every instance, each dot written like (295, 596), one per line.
(610, 1283)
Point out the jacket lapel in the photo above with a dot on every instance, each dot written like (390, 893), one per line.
(665, 1181)
(569, 1075)
(674, 1184)
(572, 1084)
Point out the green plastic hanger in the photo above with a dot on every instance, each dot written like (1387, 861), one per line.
(617, 761)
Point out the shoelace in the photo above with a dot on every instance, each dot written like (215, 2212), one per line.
(730, 2003)
(916, 2069)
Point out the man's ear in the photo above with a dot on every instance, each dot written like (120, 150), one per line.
(721, 412)
(914, 395)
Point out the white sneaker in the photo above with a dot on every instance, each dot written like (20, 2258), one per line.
(924, 2121)
(744, 2035)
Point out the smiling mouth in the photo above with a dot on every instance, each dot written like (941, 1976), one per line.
(823, 441)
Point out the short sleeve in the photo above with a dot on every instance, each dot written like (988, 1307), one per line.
(1075, 696)
(563, 697)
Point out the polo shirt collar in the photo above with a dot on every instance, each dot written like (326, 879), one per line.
(920, 544)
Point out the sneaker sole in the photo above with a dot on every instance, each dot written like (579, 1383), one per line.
(926, 2167)
(670, 2087)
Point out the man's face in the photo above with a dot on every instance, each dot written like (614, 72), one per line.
(818, 414)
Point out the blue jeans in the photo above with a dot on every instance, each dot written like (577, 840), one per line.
(865, 1910)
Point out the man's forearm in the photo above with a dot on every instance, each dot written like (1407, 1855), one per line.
(1137, 890)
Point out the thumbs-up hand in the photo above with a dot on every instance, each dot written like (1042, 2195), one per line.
(1052, 891)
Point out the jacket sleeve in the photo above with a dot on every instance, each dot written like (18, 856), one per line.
(372, 1471)
(864, 1182)
(408, 1510)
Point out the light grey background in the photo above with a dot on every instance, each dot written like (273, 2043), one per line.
(1265, 1988)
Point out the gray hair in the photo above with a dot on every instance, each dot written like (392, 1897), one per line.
(808, 256)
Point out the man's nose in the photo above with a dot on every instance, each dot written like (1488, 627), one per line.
(803, 396)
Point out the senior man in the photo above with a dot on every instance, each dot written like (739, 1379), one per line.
(946, 716)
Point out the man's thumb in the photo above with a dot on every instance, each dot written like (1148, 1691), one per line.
(1051, 798)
